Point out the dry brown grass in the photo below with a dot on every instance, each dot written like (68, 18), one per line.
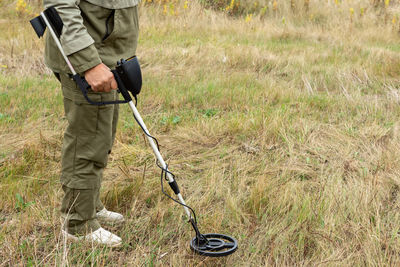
(283, 134)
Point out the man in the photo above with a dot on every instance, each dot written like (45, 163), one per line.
(95, 35)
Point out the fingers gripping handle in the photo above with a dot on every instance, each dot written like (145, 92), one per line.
(84, 86)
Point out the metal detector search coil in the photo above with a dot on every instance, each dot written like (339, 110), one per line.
(217, 245)
(129, 79)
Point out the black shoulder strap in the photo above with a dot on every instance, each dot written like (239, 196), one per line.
(38, 25)
(54, 19)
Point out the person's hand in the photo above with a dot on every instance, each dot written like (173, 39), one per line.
(100, 78)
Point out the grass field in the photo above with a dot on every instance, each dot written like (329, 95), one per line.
(281, 124)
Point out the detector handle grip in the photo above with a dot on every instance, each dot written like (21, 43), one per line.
(84, 87)
(121, 86)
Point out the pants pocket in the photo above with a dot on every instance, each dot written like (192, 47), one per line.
(82, 118)
(109, 25)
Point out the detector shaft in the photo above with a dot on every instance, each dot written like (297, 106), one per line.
(157, 154)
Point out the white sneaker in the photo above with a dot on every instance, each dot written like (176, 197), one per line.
(100, 236)
(109, 216)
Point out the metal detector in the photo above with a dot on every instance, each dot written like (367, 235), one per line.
(129, 79)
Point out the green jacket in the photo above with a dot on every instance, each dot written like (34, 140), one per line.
(94, 31)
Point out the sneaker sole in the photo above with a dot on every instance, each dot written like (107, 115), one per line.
(73, 238)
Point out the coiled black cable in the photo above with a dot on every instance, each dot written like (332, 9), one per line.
(164, 172)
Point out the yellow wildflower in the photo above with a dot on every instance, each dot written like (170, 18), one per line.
(20, 6)
(275, 5)
(232, 5)
(249, 17)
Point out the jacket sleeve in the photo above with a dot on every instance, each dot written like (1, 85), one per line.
(78, 45)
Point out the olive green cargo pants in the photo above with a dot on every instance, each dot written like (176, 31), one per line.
(91, 129)
(88, 140)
